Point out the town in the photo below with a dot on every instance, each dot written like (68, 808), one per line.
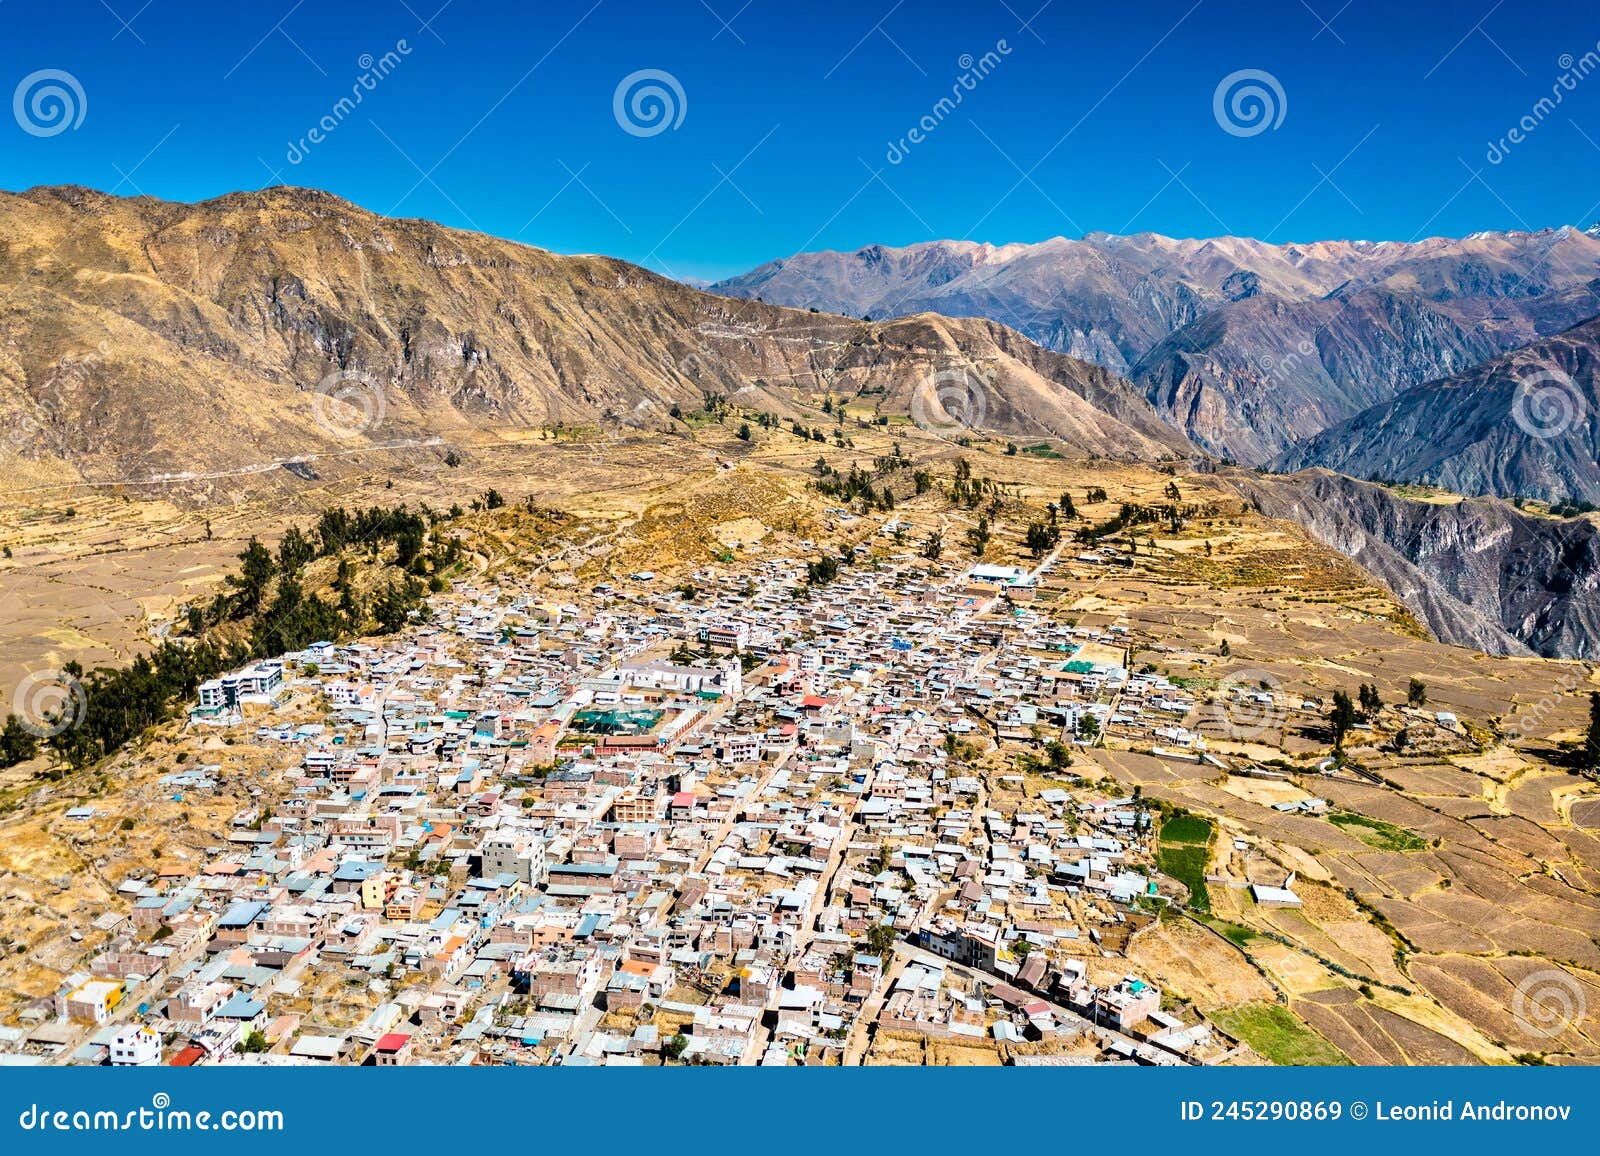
(743, 819)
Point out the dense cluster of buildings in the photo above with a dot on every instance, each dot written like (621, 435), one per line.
(741, 820)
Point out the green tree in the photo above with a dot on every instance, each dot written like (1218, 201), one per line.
(933, 546)
(978, 537)
(294, 550)
(1416, 693)
(255, 572)
(17, 743)
(1371, 704)
(254, 1042)
(1341, 718)
(673, 1049)
(823, 571)
(881, 939)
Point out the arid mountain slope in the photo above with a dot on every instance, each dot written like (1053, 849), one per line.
(1479, 572)
(139, 337)
(1525, 424)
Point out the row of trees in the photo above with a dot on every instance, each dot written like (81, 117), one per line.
(1345, 713)
(267, 596)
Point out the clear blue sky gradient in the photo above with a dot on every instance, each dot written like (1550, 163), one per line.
(499, 117)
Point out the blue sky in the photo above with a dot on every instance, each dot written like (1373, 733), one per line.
(795, 119)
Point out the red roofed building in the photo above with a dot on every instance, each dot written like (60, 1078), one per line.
(188, 1057)
(391, 1049)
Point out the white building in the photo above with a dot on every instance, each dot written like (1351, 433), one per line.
(136, 1047)
(260, 681)
(742, 749)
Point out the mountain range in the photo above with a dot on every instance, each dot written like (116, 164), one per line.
(1250, 348)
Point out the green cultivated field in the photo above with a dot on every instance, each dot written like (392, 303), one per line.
(1279, 1035)
(1377, 833)
(1182, 852)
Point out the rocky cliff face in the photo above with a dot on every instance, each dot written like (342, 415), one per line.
(139, 338)
(1252, 378)
(1478, 572)
(1525, 424)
